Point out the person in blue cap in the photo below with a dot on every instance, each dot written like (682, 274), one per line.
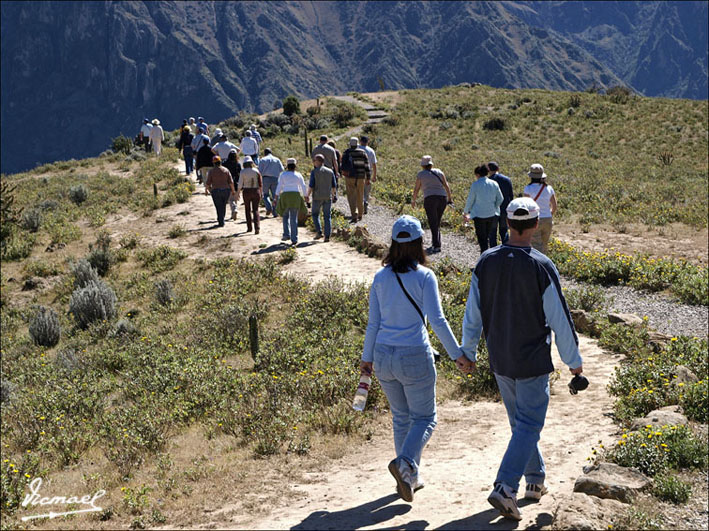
(403, 295)
(145, 134)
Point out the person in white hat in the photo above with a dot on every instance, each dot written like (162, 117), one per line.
(218, 133)
(515, 297)
(289, 200)
(252, 185)
(255, 134)
(403, 296)
(436, 195)
(355, 168)
(223, 147)
(543, 194)
(157, 136)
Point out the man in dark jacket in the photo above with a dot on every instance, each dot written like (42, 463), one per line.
(355, 168)
(515, 298)
(505, 184)
(204, 160)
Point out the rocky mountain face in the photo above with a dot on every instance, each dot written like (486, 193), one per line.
(75, 74)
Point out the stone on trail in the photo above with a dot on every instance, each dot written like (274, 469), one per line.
(684, 375)
(585, 513)
(628, 319)
(658, 340)
(584, 322)
(665, 416)
(611, 481)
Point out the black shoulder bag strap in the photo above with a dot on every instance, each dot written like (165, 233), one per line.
(436, 355)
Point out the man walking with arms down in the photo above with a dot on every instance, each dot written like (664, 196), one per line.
(355, 168)
(505, 184)
(516, 299)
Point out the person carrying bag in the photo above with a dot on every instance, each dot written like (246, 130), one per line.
(436, 196)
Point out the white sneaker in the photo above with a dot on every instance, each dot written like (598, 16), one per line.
(403, 474)
(504, 500)
(535, 491)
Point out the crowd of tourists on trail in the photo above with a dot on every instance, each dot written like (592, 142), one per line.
(515, 298)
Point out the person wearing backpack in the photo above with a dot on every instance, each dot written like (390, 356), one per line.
(436, 196)
(355, 168)
(543, 194)
(397, 348)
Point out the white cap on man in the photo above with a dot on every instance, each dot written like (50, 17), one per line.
(523, 208)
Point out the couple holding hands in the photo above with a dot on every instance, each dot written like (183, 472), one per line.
(515, 297)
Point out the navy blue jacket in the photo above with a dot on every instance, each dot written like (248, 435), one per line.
(505, 184)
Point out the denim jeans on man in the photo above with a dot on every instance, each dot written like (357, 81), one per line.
(269, 193)
(501, 224)
(408, 377)
(220, 196)
(290, 224)
(526, 401)
(189, 159)
(326, 207)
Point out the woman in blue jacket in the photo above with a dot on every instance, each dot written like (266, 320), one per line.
(404, 292)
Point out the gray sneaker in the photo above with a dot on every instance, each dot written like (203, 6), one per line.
(403, 474)
(504, 500)
(535, 491)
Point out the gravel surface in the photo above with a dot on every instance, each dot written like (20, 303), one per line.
(664, 314)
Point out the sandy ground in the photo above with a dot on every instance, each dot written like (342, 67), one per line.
(459, 467)
(316, 260)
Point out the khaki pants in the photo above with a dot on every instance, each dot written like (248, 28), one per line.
(355, 196)
(540, 238)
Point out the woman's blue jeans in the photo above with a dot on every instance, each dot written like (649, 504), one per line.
(526, 401)
(290, 224)
(408, 377)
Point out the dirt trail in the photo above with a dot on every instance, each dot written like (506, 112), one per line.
(315, 260)
(459, 466)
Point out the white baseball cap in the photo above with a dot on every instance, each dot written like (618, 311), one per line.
(529, 207)
(290, 161)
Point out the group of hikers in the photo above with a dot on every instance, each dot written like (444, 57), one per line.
(514, 299)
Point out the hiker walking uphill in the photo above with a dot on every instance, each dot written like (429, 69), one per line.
(483, 205)
(396, 346)
(436, 196)
(329, 155)
(323, 188)
(249, 147)
(289, 198)
(223, 147)
(144, 134)
(270, 167)
(372, 157)
(234, 166)
(355, 168)
(544, 196)
(157, 136)
(252, 187)
(204, 159)
(515, 297)
(216, 138)
(505, 184)
(185, 145)
(219, 184)
(256, 134)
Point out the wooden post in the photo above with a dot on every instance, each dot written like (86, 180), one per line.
(310, 151)
(305, 139)
(155, 189)
(253, 336)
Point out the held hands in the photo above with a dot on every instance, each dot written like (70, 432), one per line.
(465, 365)
(366, 368)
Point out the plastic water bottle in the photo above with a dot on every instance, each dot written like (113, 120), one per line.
(360, 399)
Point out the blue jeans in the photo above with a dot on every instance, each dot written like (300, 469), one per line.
(189, 160)
(269, 193)
(290, 216)
(220, 196)
(326, 213)
(526, 401)
(408, 377)
(501, 224)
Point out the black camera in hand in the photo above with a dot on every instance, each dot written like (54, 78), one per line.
(578, 383)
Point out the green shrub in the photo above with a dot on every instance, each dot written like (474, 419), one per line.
(122, 144)
(78, 193)
(670, 488)
(32, 220)
(695, 402)
(17, 246)
(159, 259)
(100, 256)
(94, 302)
(45, 329)
(587, 298)
(625, 339)
(42, 268)
(494, 124)
(291, 105)
(287, 256)
(164, 293)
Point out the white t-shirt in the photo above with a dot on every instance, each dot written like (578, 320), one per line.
(249, 146)
(371, 155)
(544, 200)
(145, 129)
(223, 149)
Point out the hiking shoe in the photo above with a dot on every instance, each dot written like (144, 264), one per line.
(418, 484)
(353, 219)
(327, 239)
(318, 235)
(257, 231)
(535, 491)
(233, 215)
(403, 474)
(436, 249)
(366, 208)
(503, 499)
(285, 238)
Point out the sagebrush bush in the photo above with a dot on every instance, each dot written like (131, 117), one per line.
(32, 220)
(94, 302)
(124, 327)
(7, 389)
(495, 124)
(100, 256)
(68, 359)
(121, 144)
(78, 193)
(84, 273)
(164, 292)
(45, 329)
